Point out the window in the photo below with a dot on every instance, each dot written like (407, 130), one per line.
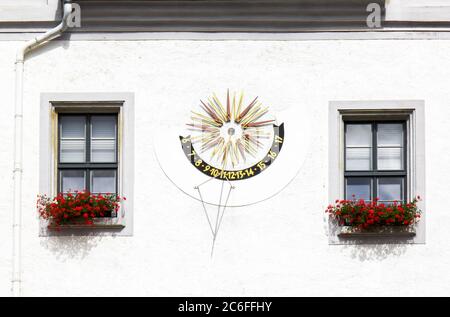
(377, 149)
(87, 143)
(375, 161)
(88, 156)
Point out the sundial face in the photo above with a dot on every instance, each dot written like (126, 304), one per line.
(256, 145)
(232, 139)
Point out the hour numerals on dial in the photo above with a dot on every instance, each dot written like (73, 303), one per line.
(278, 139)
(224, 174)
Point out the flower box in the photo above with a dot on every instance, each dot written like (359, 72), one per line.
(84, 226)
(405, 232)
(80, 210)
(80, 223)
(361, 219)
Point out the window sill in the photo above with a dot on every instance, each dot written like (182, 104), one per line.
(82, 226)
(108, 223)
(103, 227)
(348, 232)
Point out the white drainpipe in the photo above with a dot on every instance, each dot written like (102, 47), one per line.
(18, 143)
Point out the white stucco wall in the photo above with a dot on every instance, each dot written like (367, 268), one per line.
(29, 10)
(278, 247)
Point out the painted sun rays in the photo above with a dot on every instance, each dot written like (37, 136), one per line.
(232, 132)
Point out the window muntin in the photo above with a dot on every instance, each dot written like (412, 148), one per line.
(87, 157)
(375, 164)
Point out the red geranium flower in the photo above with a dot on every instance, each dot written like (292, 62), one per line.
(71, 207)
(361, 214)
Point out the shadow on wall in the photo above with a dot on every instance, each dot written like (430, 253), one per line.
(71, 246)
(368, 252)
(62, 41)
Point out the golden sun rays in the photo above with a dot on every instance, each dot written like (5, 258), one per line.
(230, 132)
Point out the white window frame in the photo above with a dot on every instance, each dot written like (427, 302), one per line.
(54, 103)
(410, 110)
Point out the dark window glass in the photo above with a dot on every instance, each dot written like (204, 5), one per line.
(359, 188)
(375, 160)
(87, 157)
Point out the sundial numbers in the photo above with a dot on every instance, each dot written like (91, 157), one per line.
(223, 174)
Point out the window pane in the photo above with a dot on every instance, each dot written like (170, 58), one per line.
(103, 181)
(360, 187)
(390, 134)
(358, 135)
(72, 151)
(358, 159)
(73, 139)
(390, 158)
(390, 188)
(103, 139)
(103, 127)
(103, 151)
(73, 127)
(72, 180)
